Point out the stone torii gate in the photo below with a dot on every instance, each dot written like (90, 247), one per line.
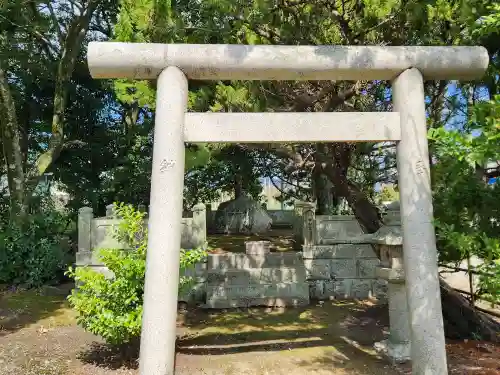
(174, 64)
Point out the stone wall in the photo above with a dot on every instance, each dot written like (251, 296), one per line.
(335, 261)
(96, 233)
(339, 259)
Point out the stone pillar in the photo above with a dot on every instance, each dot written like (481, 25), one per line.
(200, 223)
(389, 239)
(420, 255)
(304, 225)
(85, 216)
(110, 208)
(157, 353)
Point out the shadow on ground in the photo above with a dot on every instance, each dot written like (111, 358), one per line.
(19, 309)
(111, 356)
(332, 334)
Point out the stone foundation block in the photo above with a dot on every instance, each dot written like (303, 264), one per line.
(257, 276)
(317, 269)
(342, 268)
(329, 251)
(379, 289)
(365, 251)
(215, 303)
(361, 289)
(257, 295)
(366, 268)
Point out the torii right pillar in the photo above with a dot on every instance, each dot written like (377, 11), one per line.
(420, 254)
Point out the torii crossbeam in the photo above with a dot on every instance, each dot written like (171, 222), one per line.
(174, 64)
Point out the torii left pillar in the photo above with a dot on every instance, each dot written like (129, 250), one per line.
(162, 261)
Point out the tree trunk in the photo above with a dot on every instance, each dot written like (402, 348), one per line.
(238, 186)
(70, 48)
(462, 321)
(11, 141)
(322, 189)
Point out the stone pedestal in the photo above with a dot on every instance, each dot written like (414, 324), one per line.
(389, 239)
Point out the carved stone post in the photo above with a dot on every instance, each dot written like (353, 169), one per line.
(85, 216)
(157, 353)
(199, 224)
(389, 239)
(309, 226)
(420, 253)
(304, 225)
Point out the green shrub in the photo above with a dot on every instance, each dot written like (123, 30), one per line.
(34, 253)
(112, 307)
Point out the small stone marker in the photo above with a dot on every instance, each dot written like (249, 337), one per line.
(257, 247)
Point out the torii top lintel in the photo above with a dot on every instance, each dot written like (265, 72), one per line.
(265, 62)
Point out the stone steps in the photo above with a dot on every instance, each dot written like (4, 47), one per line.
(244, 280)
(273, 295)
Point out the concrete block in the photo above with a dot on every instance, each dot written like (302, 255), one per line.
(366, 268)
(342, 268)
(317, 269)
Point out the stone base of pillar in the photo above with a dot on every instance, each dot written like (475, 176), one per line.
(396, 352)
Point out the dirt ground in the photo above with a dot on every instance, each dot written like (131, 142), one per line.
(39, 336)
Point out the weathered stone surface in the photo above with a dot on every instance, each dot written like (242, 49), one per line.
(257, 276)
(342, 268)
(242, 261)
(248, 302)
(365, 251)
(336, 227)
(329, 251)
(88, 258)
(343, 289)
(257, 247)
(361, 288)
(242, 215)
(379, 289)
(196, 294)
(317, 269)
(256, 294)
(367, 268)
